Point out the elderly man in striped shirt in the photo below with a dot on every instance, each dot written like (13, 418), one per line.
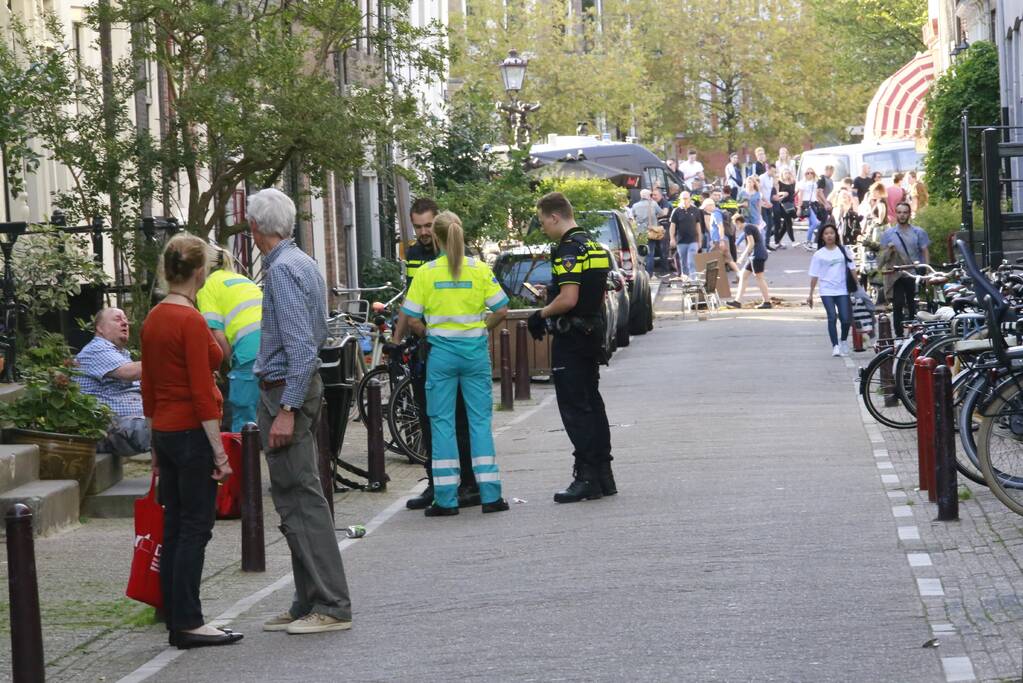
(294, 328)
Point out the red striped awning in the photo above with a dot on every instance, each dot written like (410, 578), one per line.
(897, 110)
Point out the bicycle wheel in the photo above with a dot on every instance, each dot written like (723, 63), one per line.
(967, 389)
(1000, 444)
(903, 373)
(362, 392)
(877, 389)
(403, 419)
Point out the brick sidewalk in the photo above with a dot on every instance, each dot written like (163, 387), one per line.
(91, 632)
(969, 573)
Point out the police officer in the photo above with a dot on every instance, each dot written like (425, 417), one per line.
(452, 294)
(423, 213)
(233, 307)
(575, 316)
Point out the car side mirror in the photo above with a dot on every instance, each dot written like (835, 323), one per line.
(642, 249)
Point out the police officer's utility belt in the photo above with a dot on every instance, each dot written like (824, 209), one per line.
(566, 324)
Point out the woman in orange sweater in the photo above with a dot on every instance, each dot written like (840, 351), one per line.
(183, 407)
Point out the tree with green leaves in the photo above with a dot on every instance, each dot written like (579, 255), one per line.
(970, 86)
(256, 95)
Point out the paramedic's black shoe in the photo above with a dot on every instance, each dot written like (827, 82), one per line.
(499, 505)
(437, 511)
(468, 497)
(422, 501)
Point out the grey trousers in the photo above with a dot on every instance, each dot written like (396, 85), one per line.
(320, 584)
(126, 437)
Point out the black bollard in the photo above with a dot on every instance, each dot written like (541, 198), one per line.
(324, 457)
(375, 428)
(945, 446)
(26, 628)
(253, 542)
(521, 361)
(507, 399)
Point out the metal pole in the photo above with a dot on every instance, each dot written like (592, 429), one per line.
(26, 628)
(375, 428)
(884, 338)
(965, 180)
(521, 361)
(507, 400)
(923, 390)
(947, 486)
(324, 457)
(253, 542)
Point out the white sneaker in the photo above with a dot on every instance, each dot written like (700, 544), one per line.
(843, 347)
(835, 351)
(317, 623)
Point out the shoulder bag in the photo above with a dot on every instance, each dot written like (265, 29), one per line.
(851, 283)
(654, 230)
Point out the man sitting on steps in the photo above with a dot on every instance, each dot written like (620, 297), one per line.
(108, 373)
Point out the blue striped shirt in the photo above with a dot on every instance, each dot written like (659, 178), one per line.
(294, 320)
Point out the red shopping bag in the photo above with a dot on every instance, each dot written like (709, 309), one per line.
(144, 580)
(229, 493)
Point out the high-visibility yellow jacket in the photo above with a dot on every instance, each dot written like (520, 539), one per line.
(454, 310)
(234, 304)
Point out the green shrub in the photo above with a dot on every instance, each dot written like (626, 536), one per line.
(378, 272)
(941, 219)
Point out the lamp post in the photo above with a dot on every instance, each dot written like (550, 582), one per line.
(962, 46)
(513, 73)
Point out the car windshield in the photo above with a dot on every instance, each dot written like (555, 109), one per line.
(818, 162)
(889, 162)
(607, 233)
(513, 271)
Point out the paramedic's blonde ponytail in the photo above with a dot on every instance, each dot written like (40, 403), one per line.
(449, 236)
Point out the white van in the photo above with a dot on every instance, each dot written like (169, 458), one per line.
(887, 157)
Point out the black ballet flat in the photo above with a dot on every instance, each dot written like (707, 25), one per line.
(172, 636)
(187, 641)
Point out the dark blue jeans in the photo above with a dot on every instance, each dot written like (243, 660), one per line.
(188, 494)
(838, 308)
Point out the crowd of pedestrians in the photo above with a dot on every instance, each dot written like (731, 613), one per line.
(858, 229)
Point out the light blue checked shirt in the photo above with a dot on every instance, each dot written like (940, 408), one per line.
(294, 320)
(96, 361)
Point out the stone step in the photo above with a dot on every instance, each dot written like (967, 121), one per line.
(109, 471)
(19, 464)
(54, 504)
(118, 501)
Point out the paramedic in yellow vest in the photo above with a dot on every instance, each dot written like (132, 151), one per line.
(452, 295)
(233, 307)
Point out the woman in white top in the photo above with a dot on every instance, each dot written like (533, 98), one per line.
(828, 267)
(784, 163)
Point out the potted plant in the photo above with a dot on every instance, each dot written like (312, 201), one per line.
(53, 414)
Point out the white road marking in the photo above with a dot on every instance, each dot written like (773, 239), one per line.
(896, 494)
(909, 533)
(885, 466)
(528, 414)
(919, 559)
(930, 588)
(902, 511)
(943, 628)
(890, 478)
(958, 669)
(162, 660)
(880, 452)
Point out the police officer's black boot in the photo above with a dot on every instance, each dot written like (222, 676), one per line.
(607, 479)
(585, 486)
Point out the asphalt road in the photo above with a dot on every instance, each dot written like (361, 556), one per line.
(751, 540)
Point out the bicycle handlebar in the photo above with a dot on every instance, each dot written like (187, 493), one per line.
(355, 290)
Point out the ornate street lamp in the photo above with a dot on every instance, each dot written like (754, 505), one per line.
(960, 48)
(513, 73)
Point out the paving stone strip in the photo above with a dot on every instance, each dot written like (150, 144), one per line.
(969, 573)
(91, 632)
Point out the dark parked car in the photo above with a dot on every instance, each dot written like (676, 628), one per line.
(618, 234)
(532, 265)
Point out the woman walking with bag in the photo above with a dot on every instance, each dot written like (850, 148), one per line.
(646, 213)
(787, 205)
(448, 303)
(183, 407)
(832, 267)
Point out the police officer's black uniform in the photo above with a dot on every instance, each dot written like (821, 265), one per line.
(577, 349)
(417, 256)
